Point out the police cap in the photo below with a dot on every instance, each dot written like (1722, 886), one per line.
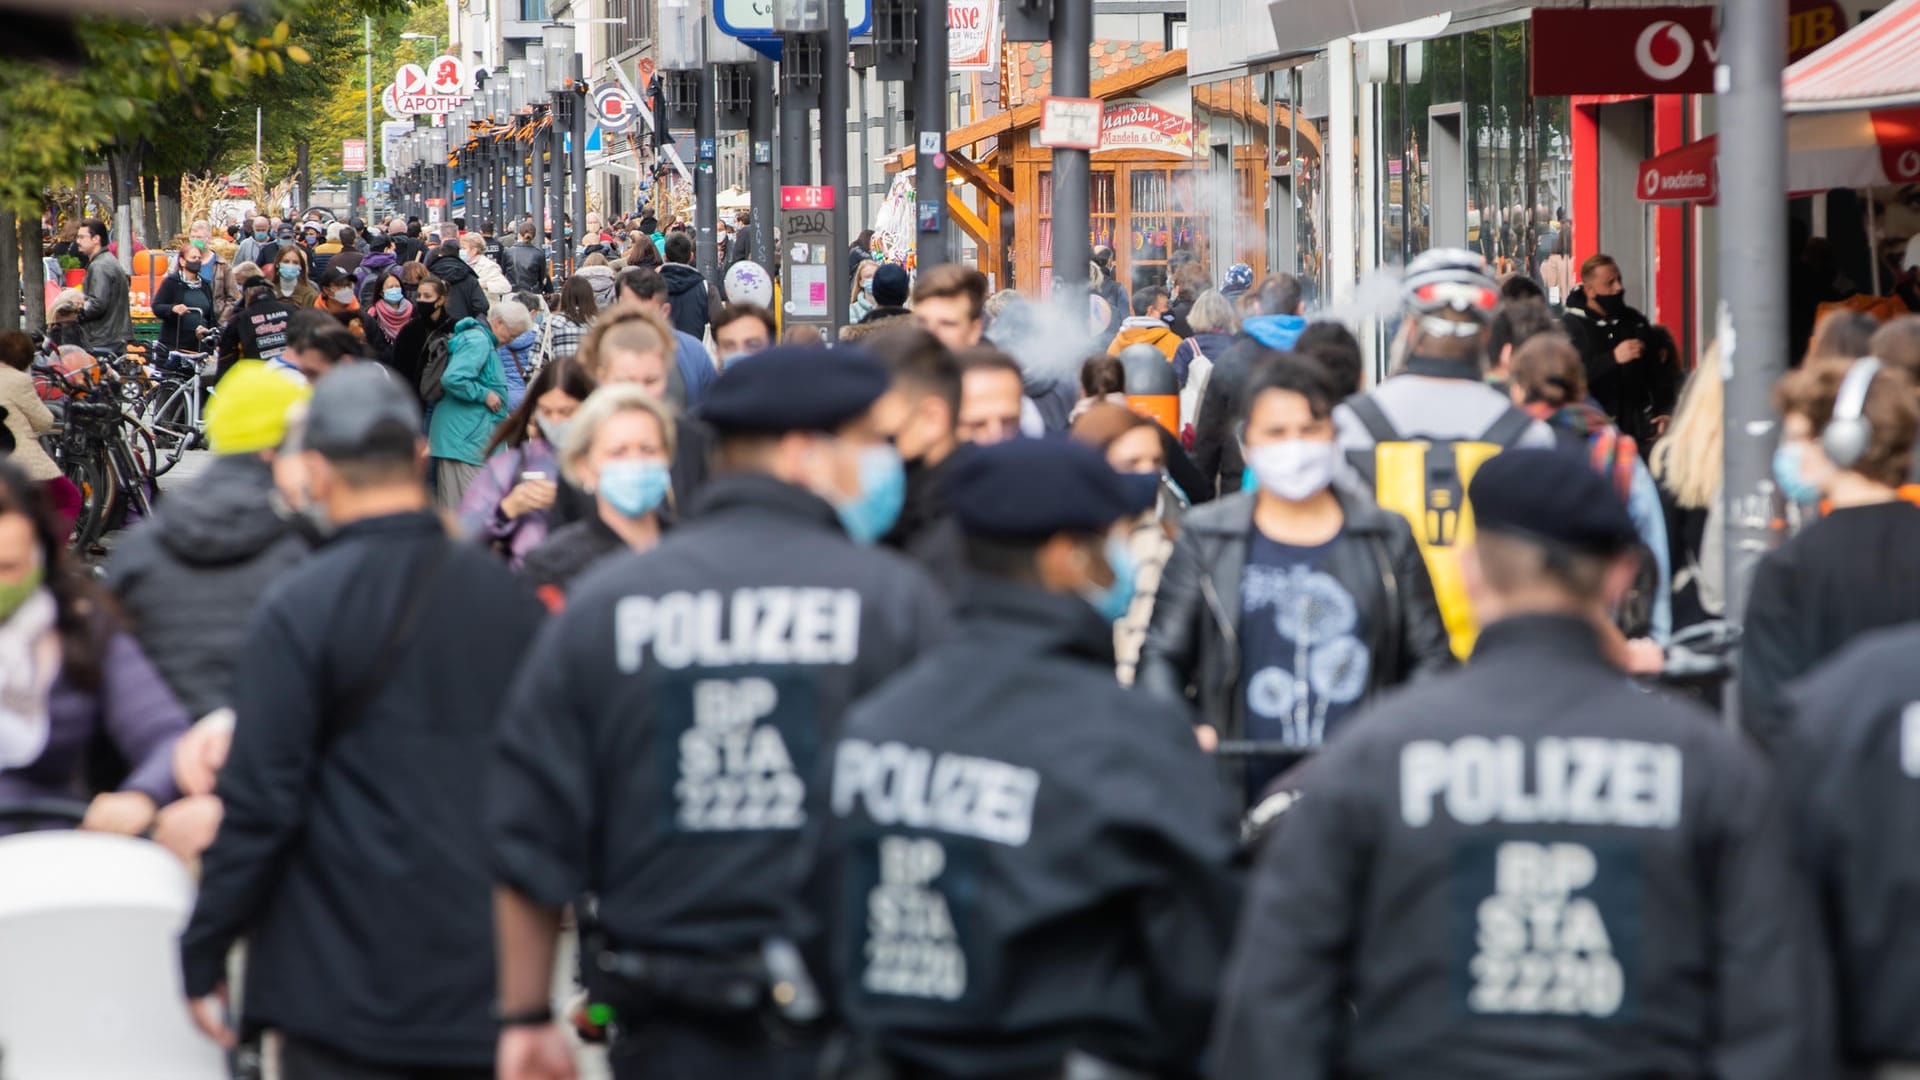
(794, 388)
(1031, 489)
(1552, 497)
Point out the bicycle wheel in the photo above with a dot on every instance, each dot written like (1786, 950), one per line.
(143, 449)
(95, 493)
(172, 424)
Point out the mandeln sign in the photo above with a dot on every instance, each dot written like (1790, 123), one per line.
(1137, 124)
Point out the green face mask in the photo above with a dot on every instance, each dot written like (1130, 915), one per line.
(15, 594)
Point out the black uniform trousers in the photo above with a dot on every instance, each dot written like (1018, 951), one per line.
(302, 1059)
(682, 1046)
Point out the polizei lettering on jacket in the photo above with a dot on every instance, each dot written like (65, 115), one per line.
(1573, 781)
(762, 625)
(900, 785)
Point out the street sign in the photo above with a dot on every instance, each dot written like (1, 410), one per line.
(614, 108)
(1070, 123)
(390, 101)
(353, 155)
(818, 197)
(595, 142)
(752, 20)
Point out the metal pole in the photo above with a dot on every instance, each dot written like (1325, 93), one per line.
(577, 114)
(706, 209)
(1072, 176)
(1753, 288)
(760, 179)
(930, 121)
(796, 157)
(557, 173)
(536, 185)
(833, 151)
(372, 154)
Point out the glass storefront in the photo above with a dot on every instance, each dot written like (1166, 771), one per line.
(1260, 199)
(1469, 157)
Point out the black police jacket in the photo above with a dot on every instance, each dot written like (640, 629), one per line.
(1849, 760)
(1018, 857)
(1527, 868)
(352, 855)
(658, 744)
(1192, 648)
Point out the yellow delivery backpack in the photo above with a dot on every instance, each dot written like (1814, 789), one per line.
(1425, 481)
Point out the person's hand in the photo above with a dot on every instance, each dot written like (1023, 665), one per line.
(493, 402)
(528, 496)
(180, 309)
(200, 753)
(1660, 424)
(1645, 657)
(210, 1016)
(1208, 738)
(1628, 351)
(187, 827)
(127, 813)
(535, 1052)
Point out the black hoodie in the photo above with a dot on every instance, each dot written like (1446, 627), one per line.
(465, 299)
(686, 298)
(188, 578)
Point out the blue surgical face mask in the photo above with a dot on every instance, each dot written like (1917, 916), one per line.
(634, 488)
(289, 271)
(1113, 601)
(260, 234)
(883, 491)
(1786, 473)
(393, 296)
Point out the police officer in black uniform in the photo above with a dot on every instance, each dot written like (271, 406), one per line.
(1528, 867)
(1023, 864)
(1852, 760)
(658, 746)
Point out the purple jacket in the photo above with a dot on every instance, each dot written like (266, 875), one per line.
(141, 717)
(480, 516)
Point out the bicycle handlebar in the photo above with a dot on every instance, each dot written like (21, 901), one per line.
(44, 809)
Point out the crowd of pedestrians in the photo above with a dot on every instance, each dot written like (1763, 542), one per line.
(898, 709)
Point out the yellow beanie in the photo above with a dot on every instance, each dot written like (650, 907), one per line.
(248, 412)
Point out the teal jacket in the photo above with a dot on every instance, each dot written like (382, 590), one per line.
(462, 423)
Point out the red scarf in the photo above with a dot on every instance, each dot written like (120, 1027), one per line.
(391, 319)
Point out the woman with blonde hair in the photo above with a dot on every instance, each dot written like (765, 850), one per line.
(1687, 462)
(618, 448)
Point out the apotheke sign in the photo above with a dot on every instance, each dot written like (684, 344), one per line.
(439, 88)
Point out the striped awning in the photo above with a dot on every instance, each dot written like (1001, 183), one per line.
(1876, 65)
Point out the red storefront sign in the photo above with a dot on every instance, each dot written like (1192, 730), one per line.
(1689, 174)
(1658, 50)
(1137, 124)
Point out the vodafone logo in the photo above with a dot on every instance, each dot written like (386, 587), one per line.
(1650, 183)
(1907, 165)
(1673, 42)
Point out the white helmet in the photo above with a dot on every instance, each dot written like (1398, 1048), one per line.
(1452, 282)
(748, 282)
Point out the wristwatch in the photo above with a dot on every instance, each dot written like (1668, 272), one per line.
(524, 1017)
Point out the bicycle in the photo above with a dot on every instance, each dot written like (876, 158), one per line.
(174, 407)
(103, 448)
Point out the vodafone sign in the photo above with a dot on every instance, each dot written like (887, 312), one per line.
(1653, 50)
(1688, 174)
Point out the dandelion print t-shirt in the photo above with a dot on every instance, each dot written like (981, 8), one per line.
(1304, 655)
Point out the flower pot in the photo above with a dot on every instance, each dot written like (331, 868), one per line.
(76, 277)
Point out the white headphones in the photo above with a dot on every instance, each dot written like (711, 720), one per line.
(1849, 433)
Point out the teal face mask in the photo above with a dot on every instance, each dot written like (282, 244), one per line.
(1113, 601)
(1786, 473)
(883, 491)
(634, 488)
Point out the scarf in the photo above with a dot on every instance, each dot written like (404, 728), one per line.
(391, 319)
(29, 662)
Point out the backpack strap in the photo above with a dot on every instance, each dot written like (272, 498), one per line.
(1374, 418)
(1507, 431)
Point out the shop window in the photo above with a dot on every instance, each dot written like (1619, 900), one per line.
(1105, 213)
(1166, 218)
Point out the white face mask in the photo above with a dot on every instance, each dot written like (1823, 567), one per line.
(1294, 469)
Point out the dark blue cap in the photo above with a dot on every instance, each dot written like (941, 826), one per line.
(794, 388)
(1034, 488)
(1552, 497)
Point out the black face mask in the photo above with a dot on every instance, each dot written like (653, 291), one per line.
(1612, 306)
(190, 268)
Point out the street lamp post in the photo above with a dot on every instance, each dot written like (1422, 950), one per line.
(517, 176)
(536, 88)
(565, 80)
(435, 38)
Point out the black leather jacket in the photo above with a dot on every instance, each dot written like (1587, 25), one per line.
(1192, 652)
(526, 267)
